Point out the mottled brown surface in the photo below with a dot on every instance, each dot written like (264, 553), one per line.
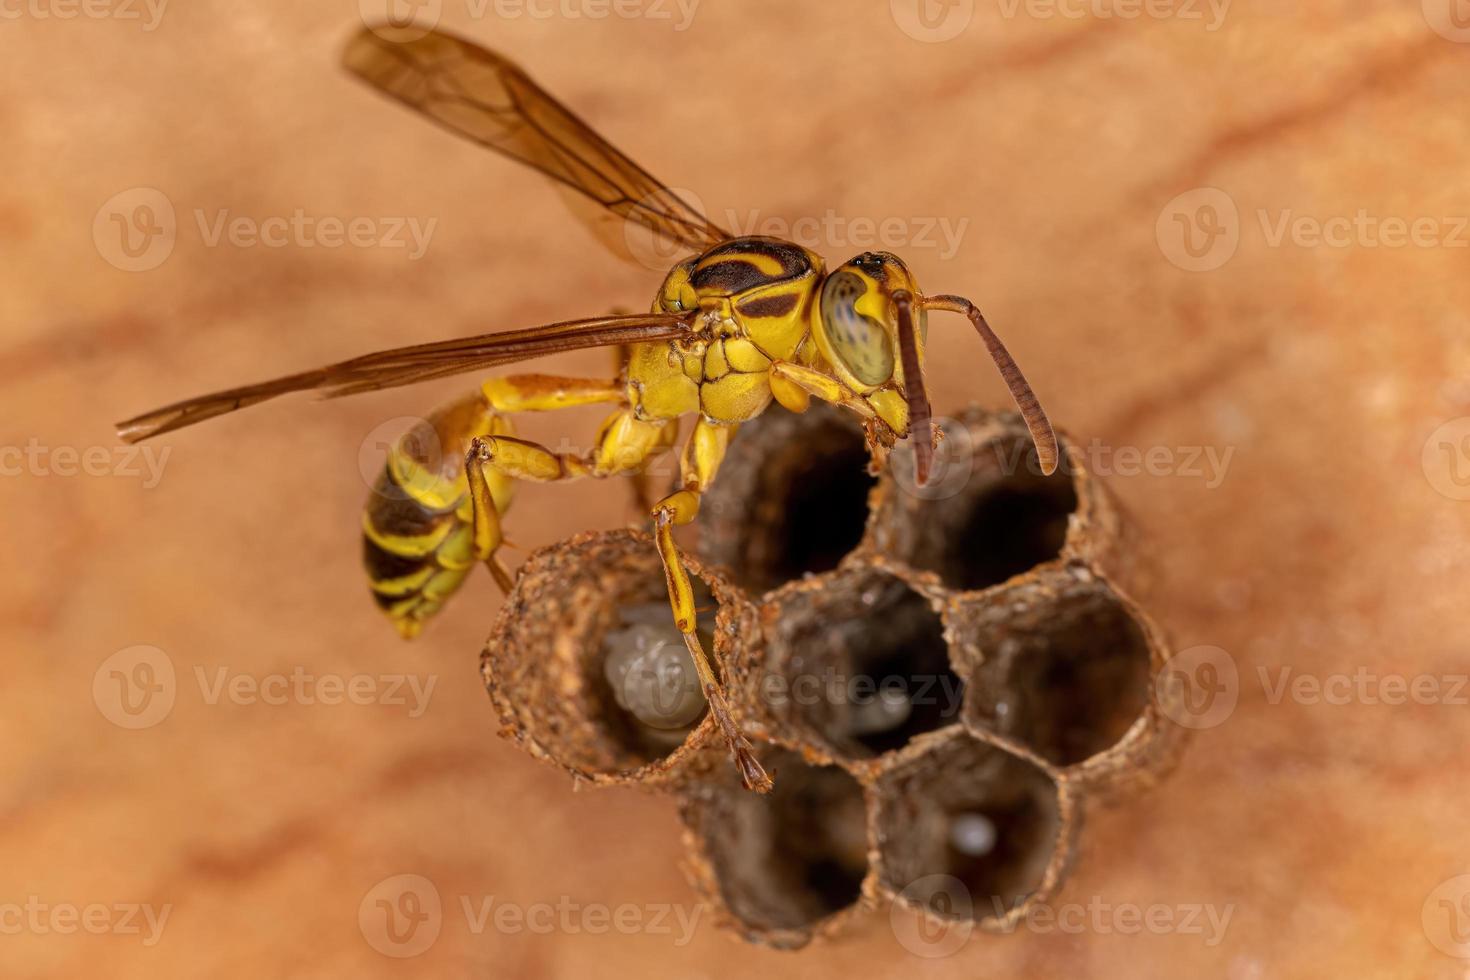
(1327, 546)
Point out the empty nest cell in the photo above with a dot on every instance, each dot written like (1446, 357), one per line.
(791, 499)
(1065, 667)
(785, 866)
(988, 513)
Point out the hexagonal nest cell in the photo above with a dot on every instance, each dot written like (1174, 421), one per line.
(856, 663)
(546, 663)
(791, 499)
(938, 678)
(785, 866)
(970, 830)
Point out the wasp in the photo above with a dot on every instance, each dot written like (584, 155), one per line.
(739, 324)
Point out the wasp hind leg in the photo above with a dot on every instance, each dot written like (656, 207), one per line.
(623, 445)
(526, 460)
(416, 523)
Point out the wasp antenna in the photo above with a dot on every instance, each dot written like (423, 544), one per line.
(1031, 410)
(920, 428)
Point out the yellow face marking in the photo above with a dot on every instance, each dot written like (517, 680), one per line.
(892, 408)
(855, 340)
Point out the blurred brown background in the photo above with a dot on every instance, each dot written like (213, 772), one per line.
(1057, 136)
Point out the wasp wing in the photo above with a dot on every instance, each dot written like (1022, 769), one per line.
(421, 362)
(482, 96)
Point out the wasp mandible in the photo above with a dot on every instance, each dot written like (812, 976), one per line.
(741, 323)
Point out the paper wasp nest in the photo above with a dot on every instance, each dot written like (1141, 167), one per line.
(939, 679)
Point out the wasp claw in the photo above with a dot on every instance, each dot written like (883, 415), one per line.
(752, 775)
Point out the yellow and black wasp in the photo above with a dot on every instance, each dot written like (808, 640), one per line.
(740, 323)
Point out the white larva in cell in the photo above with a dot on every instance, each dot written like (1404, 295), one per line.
(889, 708)
(972, 834)
(652, 675)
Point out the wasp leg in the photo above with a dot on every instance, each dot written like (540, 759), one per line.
(822, 386)
(547, 393)
(881, 430)
(624, 444)
(639, 485)
(416, 521)
(541, 393)
(702, 457)
(525, 393)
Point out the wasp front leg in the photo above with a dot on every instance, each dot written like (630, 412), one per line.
(884, 417)
(701, 460)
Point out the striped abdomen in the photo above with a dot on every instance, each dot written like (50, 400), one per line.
(417, 535)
